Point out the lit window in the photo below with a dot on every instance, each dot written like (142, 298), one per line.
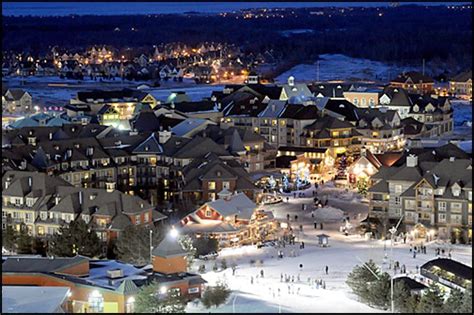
(96, 302)
(211, 185)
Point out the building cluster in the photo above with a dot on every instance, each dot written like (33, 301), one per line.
(96, 286)
(430, 189)
(205, 63)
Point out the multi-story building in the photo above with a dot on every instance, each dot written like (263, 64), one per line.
(122, 101)
(43, 203)
(340, 136)
(16, 101)
(461, 85)
(414, 82)
(433, 192)
(381, 129)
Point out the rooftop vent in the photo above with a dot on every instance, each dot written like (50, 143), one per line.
(115, 273)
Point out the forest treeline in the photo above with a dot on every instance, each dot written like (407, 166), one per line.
(402, 34)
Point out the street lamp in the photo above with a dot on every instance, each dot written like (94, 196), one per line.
(151, 246)
(393, 232)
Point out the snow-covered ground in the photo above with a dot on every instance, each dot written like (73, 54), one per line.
(341, 67)
(270, 294)
(462, 112)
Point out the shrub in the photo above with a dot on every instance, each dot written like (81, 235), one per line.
(216, 295)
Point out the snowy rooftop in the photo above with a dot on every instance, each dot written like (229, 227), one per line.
(26, 299)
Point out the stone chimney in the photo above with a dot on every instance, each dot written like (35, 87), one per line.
(412, 160)
(164, 136)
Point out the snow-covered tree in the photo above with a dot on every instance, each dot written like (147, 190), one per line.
(186, 243)
(454, 302)
(149, 300)
(466, 306)
(431, 301)
(215, 295)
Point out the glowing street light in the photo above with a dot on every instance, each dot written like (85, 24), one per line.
(174, 233)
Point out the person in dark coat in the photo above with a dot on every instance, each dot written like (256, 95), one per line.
(315, 225)
(327, 269)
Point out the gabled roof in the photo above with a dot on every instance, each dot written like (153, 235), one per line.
(150, 146)
(462, 77)
(238, 204)
(169, 247)
(297, 111)
(415, 77)
(342, 107)
(146, 121)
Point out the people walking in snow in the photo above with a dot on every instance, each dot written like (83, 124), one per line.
(288, 216)
(281, 277)
(251, 279)
(287, 199)
(233, 270)
(321, 226)
(414, 254)
(327, 269)
(261, 273)
(315, 225)
(301, 227)
(296, 218)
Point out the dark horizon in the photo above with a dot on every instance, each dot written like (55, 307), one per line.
(137, 8)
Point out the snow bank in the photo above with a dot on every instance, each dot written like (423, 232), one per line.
(328, 214)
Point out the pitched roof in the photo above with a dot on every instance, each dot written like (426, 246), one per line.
(450, 265)
(238, 204)
(43, 264)
(415, 77)
(462, 77)
(169, 247)
(150, 146)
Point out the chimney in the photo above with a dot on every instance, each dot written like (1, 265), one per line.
(110, 185)
(90, 151)
(8, 181)
(80, 197)
(291, 81)
(412, 160)
(164, 136)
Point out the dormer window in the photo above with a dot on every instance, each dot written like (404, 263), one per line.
(456, 190)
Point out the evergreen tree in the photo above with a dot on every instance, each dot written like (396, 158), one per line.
(39, 246)
(74, 239)
(133, 244)
(454, 302)
(466, 306)
(216, 295)
(149, 300)
(24, 241)
(379, 291)
(9, 236)
(362, 186)
(405, 302)
(360, 279)
(431, 301)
